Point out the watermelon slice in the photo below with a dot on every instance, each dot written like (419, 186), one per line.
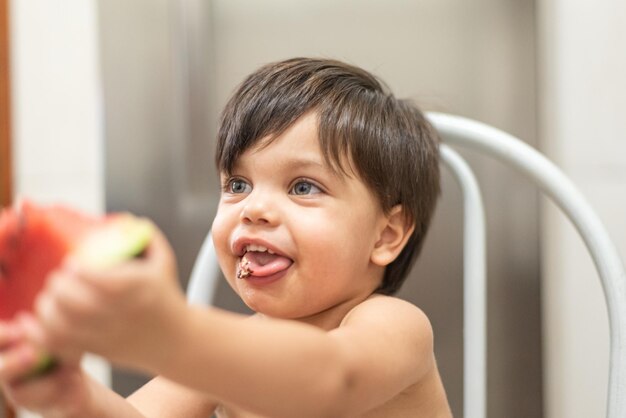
(35, 240)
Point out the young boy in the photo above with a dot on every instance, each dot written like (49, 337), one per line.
(328, 187)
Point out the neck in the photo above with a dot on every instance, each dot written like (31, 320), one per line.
(332, 317)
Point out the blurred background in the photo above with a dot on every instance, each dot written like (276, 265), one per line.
(114, 107)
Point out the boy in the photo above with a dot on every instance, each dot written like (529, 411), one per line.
(328, 186)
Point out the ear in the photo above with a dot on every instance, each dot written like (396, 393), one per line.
(395, 232)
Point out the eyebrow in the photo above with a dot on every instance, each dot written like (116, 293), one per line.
(303, 162)
(313, 163)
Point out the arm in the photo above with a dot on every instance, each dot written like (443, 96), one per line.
(276, 368)
(163, 398)
(383, 346)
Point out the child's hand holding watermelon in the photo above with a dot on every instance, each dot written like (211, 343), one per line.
(130, 312)
(102, 284)
(85, 294)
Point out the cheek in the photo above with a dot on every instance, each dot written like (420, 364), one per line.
(220, 233)
(340, 244)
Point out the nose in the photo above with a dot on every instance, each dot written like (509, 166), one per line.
(259, 209)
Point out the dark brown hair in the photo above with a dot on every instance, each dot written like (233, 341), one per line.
(391, 146)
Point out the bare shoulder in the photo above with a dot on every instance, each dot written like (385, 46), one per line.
(387, 348)
(390, 312)
(393, 329)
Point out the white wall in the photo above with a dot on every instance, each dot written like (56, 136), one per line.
(583, 128)
(56, 102)
(57, 137)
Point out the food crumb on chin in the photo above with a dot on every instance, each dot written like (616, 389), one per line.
(244, 268)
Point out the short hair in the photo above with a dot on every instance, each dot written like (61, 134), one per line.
(390, 144)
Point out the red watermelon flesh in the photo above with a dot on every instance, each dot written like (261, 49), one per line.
(34, 241)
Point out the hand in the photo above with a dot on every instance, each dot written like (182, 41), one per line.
(128, 313)
(17, 356)
(57, 393)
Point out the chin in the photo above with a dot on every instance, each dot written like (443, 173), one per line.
(272, 309)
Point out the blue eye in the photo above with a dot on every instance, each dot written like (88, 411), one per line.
(238, 186)
(304, 187)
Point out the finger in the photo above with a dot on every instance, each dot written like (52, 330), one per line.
(66, 336)
(74, 297)
(54, 331)
(37, 335)
(42, 391)
(9, 334)
(31, 328)
(159, 249)
(17, 361)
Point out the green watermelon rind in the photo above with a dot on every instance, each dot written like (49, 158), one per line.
(124, 238)
(45, 364)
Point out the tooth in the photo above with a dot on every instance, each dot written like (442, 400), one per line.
(257, 247)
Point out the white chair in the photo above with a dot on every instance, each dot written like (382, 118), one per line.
(470, 134)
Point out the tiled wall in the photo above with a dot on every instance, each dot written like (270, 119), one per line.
(583, 119)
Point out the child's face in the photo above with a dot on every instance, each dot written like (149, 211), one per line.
(321, 225)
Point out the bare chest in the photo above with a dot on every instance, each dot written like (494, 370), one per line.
(382, 412)
(410, 403)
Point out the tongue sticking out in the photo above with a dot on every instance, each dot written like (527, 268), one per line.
(264, 264)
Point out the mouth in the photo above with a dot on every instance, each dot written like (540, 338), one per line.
(258, 261)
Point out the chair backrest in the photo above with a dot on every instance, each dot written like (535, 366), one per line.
(467, 133)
